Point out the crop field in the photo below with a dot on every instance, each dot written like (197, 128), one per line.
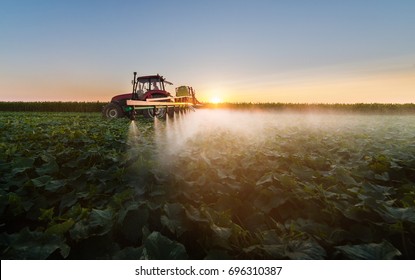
(210, 184)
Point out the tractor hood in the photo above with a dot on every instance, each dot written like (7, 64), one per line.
(122, 97)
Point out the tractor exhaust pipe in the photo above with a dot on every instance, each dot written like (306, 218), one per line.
(134, 82)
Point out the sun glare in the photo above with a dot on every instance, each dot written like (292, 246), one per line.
(215, 100)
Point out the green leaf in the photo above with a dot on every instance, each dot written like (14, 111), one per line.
(394, 214)
(80, 230)
(68, 200)
(371, 251)
(55, 185)
(265, 179)
(194, 215)
(304, 250)
(41, 181)
(22, 164)
(129, 253)
(287, 181)
(275, 251)
(100, 221)
(215, 254)
(344, 176)
(159, 247)
(46, 214)
(60, 228)
(34, 245)
(382, 177)
(221, 232)
(131, 221)
(175, 219)
(303, 172)
(269, 237)
(267, 200)
(255, 221)
(48, 168)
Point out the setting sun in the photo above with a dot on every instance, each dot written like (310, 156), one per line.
(215, 100)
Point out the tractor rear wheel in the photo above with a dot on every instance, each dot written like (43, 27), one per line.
(112, 111)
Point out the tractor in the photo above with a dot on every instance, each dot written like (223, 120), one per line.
(144, 87)
(150, 98)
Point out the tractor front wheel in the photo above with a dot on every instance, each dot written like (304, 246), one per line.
(152, 113)
(155, 112)
(112, 111)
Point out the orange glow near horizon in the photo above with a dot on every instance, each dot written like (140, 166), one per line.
(391, 88)
(380, 88)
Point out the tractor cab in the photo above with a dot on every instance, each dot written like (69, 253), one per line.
(149, 86)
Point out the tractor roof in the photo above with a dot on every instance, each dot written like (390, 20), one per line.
(152, 78)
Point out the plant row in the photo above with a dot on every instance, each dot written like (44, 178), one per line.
(76, 187)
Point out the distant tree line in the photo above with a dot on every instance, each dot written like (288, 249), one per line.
(86, 107)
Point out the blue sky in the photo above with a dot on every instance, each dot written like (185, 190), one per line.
(255, 51)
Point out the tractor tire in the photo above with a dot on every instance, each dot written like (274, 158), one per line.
(112, 111)
(159, 113)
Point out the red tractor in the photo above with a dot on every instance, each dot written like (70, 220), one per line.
(145, 88)
(150, 98)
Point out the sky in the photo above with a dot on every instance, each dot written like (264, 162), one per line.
(298, 51)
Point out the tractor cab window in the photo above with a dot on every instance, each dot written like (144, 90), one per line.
(155, 85)
(140, 89)
(143, 87)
